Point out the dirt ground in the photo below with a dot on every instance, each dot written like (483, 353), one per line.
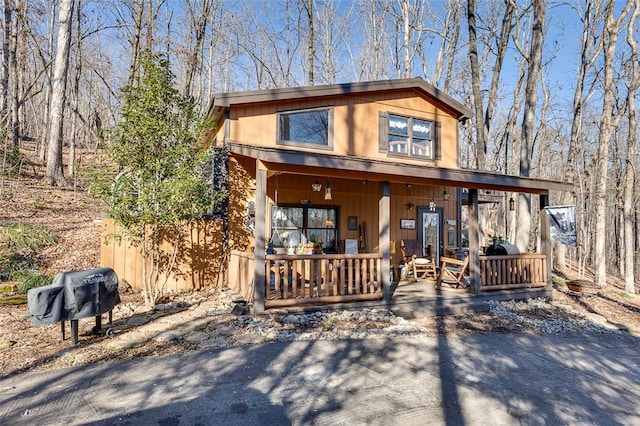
(75, 217)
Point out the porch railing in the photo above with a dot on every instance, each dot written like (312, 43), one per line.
(513, 271)
(322, 278)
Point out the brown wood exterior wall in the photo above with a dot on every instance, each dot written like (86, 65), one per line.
(199, 262)
(355, 125)
(352, 197)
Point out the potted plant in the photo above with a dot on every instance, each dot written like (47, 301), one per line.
(311, 248)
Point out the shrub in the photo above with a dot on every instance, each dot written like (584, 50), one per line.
(559, 282)
(20, 246)
(31, 279)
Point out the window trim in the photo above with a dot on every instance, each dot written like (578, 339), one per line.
(305, 219)
(285, 142)
(434, 136)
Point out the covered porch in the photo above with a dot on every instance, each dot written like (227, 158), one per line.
(311, 280)
(291, 279)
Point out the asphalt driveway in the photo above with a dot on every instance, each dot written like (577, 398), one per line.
(481, 379)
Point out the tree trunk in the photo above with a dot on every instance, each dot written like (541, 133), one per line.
(406, 38)
(14, 130)
(6, 51)
(610, 39)
(138, 6)
(528, 121)
(629, 179)
(42, 153)
(71, 161)
(590, 49)
(311, 51)
(198, 22)
(55, 174)
(481, 143)
(452, 35)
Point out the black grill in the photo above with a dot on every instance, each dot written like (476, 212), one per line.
(502, 249)
(75, 295)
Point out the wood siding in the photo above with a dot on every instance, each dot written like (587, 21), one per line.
(199, 262)
(355, 124)
(352, 198)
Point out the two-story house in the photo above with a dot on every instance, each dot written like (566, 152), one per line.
(327, 182)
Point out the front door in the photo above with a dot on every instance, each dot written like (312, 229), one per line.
(430, 231)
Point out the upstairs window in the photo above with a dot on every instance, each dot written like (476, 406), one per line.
(306, 127)
(410, 136)
(404, 136)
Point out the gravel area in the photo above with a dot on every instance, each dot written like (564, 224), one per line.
(204, 319)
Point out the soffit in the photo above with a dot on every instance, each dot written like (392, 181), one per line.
(312, 163)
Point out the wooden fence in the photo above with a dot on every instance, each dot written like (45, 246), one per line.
(513, 271)
(240, 273)
(199, 259)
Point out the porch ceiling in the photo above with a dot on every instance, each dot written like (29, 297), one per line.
(300, 162)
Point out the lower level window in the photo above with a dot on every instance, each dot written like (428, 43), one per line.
(292, 226)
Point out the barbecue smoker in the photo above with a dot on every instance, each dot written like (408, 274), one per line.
(501, 249)
(75, 295)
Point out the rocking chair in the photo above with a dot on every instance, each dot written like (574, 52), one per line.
(453, 269)
(415, 261)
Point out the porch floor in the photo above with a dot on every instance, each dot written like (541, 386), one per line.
(418, 298)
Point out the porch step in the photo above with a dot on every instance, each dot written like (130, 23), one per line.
(440, 306)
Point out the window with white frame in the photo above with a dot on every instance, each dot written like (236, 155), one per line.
(410, 136)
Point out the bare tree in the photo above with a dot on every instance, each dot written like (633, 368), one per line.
(448, 45)
(534, 60)
(307, 6)
(71, 160)
(590, 48)
(136, 38)
(6, 52)
(333, 28)
(483, 118)
(610, 39)
(372, 59)
(628, 205)
(198, 16)
(55, 174)
(16, 21)
(49, 82)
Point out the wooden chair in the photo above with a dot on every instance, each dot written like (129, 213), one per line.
(453, 269)
(415, 261)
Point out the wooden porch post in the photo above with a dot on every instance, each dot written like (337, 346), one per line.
(546, 247)
(384, 211)
(259, 253)
(474, 242)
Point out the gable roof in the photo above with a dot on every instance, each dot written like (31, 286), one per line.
(221, 101)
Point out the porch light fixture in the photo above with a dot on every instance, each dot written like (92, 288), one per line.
(445, 195)
(409, 205)
(327, 191)
(512, 204)
(317, 187)
(432, 206)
